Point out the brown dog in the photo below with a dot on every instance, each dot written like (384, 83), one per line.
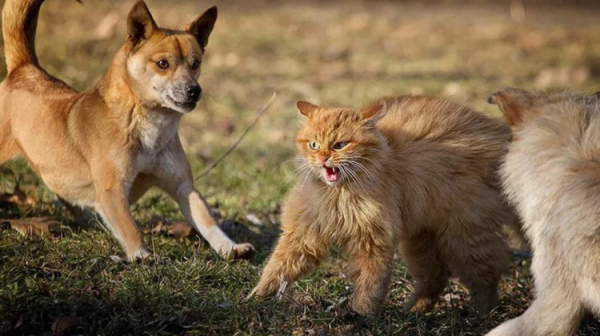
(106, 147)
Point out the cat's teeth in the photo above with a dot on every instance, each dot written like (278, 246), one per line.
(331, 174)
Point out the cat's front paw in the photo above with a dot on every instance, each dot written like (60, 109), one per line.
(260, 292)
(363, 306)
(267, 288)
(418, 304)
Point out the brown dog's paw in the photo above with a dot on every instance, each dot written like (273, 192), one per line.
(243, 251)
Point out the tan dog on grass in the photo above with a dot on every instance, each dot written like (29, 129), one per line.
(106, 147)
(552, 175)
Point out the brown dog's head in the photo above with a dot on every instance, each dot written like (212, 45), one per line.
(520, 107)
(164, 64)
(517, 105)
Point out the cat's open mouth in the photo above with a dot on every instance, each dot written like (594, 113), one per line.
(331, 174)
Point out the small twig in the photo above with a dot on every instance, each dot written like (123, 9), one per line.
(235, 144)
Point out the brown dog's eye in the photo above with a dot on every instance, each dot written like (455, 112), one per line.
(163, 64)
(195, 65)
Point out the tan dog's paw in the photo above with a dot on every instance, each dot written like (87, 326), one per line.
(242, 251)
(139, 255)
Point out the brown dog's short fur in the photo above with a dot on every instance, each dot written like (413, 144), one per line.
(412, 171)
(552, 175)
(107, 146)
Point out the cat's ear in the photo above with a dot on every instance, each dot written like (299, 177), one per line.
(373, 113)
(306, 108)
(516, 105)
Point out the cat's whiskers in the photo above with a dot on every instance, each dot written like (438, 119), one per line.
(364, 169)
(294, 159)
(302, 169)
(352, 176)
(354, 161)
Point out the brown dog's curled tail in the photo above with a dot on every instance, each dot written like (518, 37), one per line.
(19, 23)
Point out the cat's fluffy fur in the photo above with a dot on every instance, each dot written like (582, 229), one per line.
(552, 175)
(416, 172)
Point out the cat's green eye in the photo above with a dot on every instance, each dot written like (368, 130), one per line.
(314, 145)
(340, 145)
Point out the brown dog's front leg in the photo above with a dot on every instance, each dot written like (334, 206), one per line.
(113, 206)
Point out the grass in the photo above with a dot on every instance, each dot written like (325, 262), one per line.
(334, 53)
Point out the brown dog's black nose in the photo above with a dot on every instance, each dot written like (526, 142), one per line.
(193, 91)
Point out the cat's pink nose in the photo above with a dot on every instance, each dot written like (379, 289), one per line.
(324, 159)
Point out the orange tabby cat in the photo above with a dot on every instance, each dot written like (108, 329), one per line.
(412, 171)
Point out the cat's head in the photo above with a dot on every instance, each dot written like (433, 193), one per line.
(338, 145)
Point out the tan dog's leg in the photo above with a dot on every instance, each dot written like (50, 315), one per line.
(114, 209)
(370, 273)
(427, 269)
(195, 211)
(8, 146)
(177, 181)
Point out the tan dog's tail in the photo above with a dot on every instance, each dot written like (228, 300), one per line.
(19, 22)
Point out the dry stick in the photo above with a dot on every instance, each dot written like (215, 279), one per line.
(235, 144)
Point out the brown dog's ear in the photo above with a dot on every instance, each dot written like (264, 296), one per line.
(140, 23)
(306, 108)
(516, 105)
(203, 26)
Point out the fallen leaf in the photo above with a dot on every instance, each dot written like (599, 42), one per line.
(116, 258)
(156, 229)
(36, 226)
(157, 225)
(254, 219)
(9, 323)
(17, 197)
(180, 229)
(63, 324)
